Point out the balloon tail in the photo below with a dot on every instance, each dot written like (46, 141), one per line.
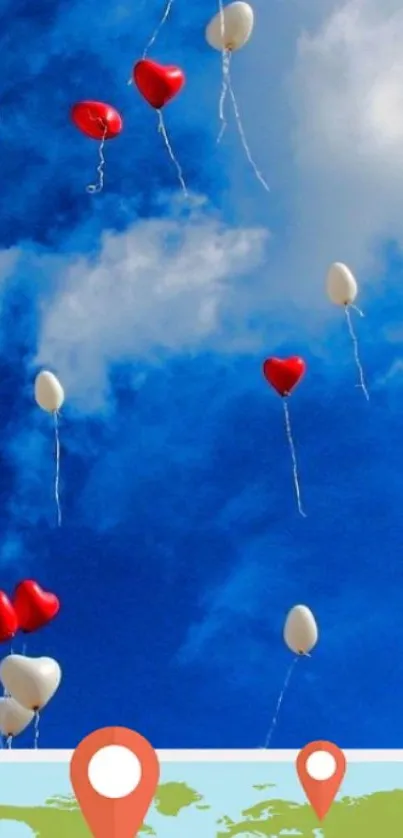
(280, 700)
(356, 353)
(358, 310)
(226, 62)
(162, 130)
(226, 59)
(157, 31)
(243, 135)
(93, 188)
(57, 476)
(293, 457)
(9, 742)
(36, 730)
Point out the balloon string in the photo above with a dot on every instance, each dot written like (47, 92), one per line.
(156, 32)
(57, 476)
(36, 730)
(162, 130)
(226, 62)
(9, 742)
(280, 700)
(358, 310)
(293, 457)
(356, 354)
(242, 133)
(225, 58)
(98, 187)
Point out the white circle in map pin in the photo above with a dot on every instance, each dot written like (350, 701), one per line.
(114, 771)
(321, 765)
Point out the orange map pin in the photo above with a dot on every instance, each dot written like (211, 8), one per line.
(321, 767)
(114, 773)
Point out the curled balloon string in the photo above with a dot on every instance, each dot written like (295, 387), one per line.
(9, 742)
(93, 188)
(157, 31)
(242, 134)
(280, 700)
(362, 383)
(36, 730)
(226, 62)
(57, 475)
(162, 130)
(358, 310)
(293, 457)
(225, 58)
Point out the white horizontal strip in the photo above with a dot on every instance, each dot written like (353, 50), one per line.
(258, 755)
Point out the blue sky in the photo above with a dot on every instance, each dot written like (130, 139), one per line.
(181, 549)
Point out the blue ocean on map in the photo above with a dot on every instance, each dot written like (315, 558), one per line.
(226, 786)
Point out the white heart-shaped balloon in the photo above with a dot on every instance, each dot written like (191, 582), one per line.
(30, 681)
(231, 28)
(13, 718)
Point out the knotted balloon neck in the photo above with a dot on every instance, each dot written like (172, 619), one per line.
(347, 304)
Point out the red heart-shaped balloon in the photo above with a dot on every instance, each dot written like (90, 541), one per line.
(284, 374)
(158, 84)
(8, 618)
(34, 607)
(97, 120)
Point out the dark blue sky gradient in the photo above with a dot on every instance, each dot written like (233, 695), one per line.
(181, 549)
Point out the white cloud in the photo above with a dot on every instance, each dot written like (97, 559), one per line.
(349, 81)
(167, 286)
(158, 287)
(320, 89)
(347, 88)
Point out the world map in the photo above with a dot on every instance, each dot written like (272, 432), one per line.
(184, 808)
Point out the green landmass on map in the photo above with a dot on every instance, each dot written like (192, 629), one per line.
(372, 816)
